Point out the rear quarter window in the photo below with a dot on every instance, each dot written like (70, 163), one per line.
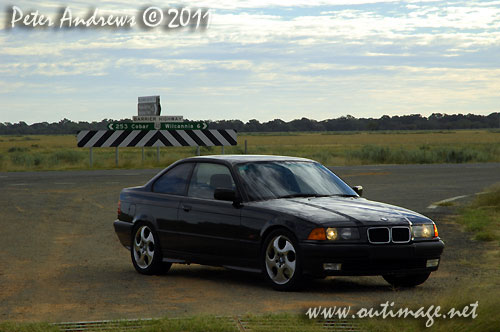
(174, 181)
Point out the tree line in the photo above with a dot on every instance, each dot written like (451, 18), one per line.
(436, 121)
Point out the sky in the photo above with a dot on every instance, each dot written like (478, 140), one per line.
(261, 59)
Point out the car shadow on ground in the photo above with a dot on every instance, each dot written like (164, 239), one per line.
(256, 280)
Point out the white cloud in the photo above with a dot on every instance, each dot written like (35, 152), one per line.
(256, 55)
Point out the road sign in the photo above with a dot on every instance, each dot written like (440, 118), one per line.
(140, 138)
(149, 105)
(154, 118)
(157, 126)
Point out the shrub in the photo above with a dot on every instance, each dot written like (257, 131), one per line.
(67, 156)
(17, 149)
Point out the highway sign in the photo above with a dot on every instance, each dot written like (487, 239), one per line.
(149, 105)
(162, 118)
(139, 138)
(157, 126)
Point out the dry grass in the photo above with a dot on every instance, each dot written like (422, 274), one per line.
(52, 152)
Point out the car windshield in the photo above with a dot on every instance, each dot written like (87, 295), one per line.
(276, 179)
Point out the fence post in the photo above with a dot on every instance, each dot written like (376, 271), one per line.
(116, 157)
(90, 157)
(143, 155)
(246, 147)
(222, 149)
(198, 150)
(158, 154)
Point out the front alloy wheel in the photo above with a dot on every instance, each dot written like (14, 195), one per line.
(281, 260)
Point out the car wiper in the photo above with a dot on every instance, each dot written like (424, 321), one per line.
(302, 195)
(344, 195)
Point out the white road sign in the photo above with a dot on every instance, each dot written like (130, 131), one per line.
(163, 118)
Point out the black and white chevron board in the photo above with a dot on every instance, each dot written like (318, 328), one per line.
(141, 138)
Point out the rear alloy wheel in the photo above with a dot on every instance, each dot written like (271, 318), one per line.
(407, 280)
(281, 261)
(146, 253)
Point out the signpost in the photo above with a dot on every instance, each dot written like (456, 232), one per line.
(149, 105)
(157, 126)
(150, 129)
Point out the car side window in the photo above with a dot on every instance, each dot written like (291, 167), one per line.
(174, 182)
(207, 177)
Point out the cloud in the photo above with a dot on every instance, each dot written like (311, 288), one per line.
(274, 58)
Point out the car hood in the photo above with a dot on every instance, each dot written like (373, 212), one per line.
(343, 211)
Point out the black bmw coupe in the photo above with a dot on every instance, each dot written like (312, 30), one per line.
(283, 217)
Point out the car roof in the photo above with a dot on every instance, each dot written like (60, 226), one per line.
(241, 158)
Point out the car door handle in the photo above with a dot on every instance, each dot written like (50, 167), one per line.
(186, 208)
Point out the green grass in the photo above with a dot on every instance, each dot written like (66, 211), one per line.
(202, 323)
(482, 216)
(192, 324)
(28, 327)
(446, 204)
(487, 319)
(424, 154)
(59, 152)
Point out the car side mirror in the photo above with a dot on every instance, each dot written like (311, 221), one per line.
(358, 190)
(224, 194)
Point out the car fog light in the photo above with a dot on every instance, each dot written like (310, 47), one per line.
(332, 266)
(432, 262)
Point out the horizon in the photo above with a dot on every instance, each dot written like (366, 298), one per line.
(264, 122)
(264, 60)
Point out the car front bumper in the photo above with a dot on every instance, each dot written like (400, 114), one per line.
(370, 259)
(123, 230)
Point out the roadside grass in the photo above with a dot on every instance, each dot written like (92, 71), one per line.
(283, 322)
(192, 324)
(28, 327)
(446, 204)
(482, 216)
(59, 152)
(487, 319)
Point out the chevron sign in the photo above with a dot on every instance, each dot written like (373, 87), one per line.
(140, 138)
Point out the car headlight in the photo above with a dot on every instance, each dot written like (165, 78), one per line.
(334, 234)
(424, 231)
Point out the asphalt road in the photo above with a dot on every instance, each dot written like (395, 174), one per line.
(61, 261)
(411, 186)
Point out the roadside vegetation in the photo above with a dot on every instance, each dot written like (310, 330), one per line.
(482, 216)
(487, 319)
(59, 152)
(202, 323)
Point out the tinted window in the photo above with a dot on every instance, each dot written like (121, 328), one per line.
(269, 180)
(174, 181)
(207, 177)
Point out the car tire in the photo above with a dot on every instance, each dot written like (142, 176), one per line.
(281, 260)
(407, 280)
(146, 252)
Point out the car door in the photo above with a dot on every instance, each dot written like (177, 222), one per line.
(167, 192)
(212, 226)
